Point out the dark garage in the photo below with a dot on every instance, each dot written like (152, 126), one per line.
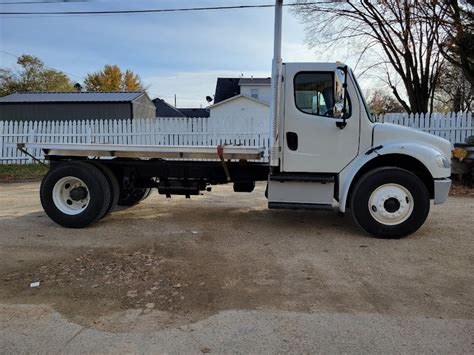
(61, 106)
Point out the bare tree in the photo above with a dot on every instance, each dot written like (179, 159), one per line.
(456, 37)
(456, 93)
(392, 29)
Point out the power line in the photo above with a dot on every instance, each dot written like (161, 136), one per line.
(183, 9)
(41, 2)
(105, 12)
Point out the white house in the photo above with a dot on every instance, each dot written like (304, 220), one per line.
(243, 102)
(243, 113)
(257, 88)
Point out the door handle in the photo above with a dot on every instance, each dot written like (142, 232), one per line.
(292, 140)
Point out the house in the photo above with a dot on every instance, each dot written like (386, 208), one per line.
(257, 88)
(242, 112)
(60, 106)
(164, 109)
(242, 102)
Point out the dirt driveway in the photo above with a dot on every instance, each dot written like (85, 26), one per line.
(208, 267)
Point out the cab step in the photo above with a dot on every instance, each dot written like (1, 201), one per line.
(300, 190)
(300, 206)
(302, 177)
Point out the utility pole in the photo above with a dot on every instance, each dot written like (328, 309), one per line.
(174, 100)
(274, 121)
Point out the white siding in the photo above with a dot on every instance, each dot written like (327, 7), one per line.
(239, 111)
(264, 91)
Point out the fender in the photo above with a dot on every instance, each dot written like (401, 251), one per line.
(425, 154)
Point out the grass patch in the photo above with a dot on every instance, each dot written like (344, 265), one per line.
(22, 172)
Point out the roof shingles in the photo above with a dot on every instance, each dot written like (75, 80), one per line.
(163, 109)
(226, 88)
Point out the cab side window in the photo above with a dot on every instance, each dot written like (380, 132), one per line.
(314, 93)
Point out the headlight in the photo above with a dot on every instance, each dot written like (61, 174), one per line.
(443, 162)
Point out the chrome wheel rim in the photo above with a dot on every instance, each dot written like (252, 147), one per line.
(391, 204)
(71, 195)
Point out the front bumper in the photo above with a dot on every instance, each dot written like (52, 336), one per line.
(441, 190)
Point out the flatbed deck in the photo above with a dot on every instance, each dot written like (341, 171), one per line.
(227, 152)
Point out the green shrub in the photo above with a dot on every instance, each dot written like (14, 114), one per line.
(22, 172)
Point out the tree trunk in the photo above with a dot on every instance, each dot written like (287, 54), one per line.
(457, 100)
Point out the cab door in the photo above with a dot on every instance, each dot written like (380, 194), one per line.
(311, 140)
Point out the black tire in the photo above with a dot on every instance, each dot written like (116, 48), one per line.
(129, 198)
(369, 183)
(113, 185)
(147, 194)
(98, 194)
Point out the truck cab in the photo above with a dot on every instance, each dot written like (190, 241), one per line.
(330, 151)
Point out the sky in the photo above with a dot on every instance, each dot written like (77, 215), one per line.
(178, 54)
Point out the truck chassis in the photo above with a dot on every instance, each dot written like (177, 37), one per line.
(125, 175)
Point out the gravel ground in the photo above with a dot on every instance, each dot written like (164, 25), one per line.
(221, 273)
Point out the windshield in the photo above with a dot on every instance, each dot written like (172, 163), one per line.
(369, 114)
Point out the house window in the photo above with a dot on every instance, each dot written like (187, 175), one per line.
(254, 93)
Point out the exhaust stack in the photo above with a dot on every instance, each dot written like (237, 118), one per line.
(275, 105)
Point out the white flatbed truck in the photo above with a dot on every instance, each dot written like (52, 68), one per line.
(326, 151)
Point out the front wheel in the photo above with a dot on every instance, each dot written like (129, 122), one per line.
(390, 202)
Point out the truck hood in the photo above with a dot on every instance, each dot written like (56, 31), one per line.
(385, 133)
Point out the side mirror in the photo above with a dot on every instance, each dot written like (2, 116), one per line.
(340, 96)
(338, 107)
(338, 93)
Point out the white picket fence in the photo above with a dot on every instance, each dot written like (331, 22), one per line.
(252, 131)
(455, 127)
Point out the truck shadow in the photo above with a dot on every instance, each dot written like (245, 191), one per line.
(238, 219)
(190, 217)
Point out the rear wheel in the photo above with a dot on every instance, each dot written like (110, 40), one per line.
(147, 194)
(132, 197)
(113, 186)
(75, 194)
(390, 202)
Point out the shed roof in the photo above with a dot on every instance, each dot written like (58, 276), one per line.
(26, 97)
